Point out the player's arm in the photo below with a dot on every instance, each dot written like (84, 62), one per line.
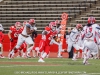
(71, 36)
(2, 37)
(44, 33)
(83, 32)
(34, 35)
(28, 29)
(9, 35)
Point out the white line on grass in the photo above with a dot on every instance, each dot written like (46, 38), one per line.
(28, 65)
(46, 61)
(94, 73)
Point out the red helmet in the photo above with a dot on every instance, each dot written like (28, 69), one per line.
(51, 24)
(47, 28)
(57, 21)
(79, 26)
(91, 20)
(17, 24)
(31, 21)
(25, 22)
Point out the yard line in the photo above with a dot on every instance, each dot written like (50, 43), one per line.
(90, 74)
(94, 73)
(28, 65)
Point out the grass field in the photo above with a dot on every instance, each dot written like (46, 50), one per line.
(52, 66)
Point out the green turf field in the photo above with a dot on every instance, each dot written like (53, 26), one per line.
(52, 66)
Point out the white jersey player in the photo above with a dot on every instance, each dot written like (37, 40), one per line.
(89, 36)
(25, 36)
(97, 27)
(73, 39)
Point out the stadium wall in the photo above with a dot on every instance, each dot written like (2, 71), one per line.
(53, 48)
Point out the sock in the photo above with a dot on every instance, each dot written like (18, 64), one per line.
(41, 53)
(47, 56)
(20, 53)
(29, 50)
(74, 57)
(34, 55)
(85, 58)
(11, 53)
(82, 54)
(78, 55)
(59, 49)
(0, 53)
(44, 55)
(23, 55)
(88, 54)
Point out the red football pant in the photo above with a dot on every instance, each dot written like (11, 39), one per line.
(13, 44)
(43, 46)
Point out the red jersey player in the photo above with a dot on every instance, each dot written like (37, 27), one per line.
(13, 34)
(1, 40)
(44, 45)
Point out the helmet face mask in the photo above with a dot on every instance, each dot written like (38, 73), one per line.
(18, 25)
(53, 28)
(79, 27)
(24, 23)
(58, 23)
(32, 22)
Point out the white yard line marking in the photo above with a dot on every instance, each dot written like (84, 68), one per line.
(94, 73)
(28, 65)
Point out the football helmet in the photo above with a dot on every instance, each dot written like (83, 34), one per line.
(91, 20)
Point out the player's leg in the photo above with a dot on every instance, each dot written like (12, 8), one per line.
(46, 51)
(19, 53)
(24, 48)
(19, 42)
(60, 50)
(95, 51)
(98, 54)
(70, 44)
(59, 47)
(91, 45)
(30, 43)
(34, 51)
(1, 51)
(48, 55)
(41, 47)
(79, 54)
(76, 46)
(86, 57)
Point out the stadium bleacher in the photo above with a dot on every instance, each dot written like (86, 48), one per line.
(45, 11)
